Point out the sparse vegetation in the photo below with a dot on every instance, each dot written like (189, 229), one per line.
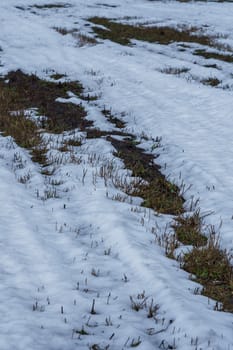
(110, 248)
(212, 81)
(82, 38)
(113, 119)
(212, 267)
(188, 229)
(207, 261)
(175, 70)
(161, 195)
(214, 55)
(58, 5)
(14, 122)
(124, 33)
(81, 331)
(57, 76)
(135, 342)
(138, 303)
(74, 142)
(158, 193)
(30, 91)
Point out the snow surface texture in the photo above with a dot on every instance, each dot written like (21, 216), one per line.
(61, 254)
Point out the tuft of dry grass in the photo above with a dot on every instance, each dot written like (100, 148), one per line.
(212, 267)
(188, 229)
(14, 122)
(175, 70)
(161, 195)
(212, 81)
(51, 6)
(82, 38)
(57, 76)
(62, 30)
(210, 264)
(74, 142)
(22, 129)
(214, 55)
(112, 119)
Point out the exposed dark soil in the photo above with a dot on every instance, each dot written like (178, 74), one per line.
(33, 92)
(158, 193)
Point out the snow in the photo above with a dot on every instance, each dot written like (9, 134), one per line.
(60, 254)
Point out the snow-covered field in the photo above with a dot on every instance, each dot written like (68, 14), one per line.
(73, 267)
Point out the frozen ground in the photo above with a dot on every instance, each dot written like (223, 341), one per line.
(60, 254)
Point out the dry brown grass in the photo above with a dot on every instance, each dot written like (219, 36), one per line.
(31, 91)
(19, 91)
(51, 6)
(212, 267)
(14, 122)
(82, 39)
(188, 229)
(212, 81)
(124, 33)
(214, 55)
(157, 192)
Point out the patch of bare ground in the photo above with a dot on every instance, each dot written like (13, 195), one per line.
(123, 33)
(33, 92)
(157, 193)
(19, 92)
